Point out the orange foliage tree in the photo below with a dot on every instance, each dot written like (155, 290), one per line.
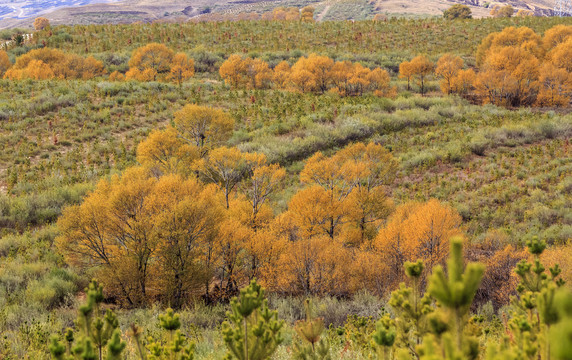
(155, 61)
(556, 35)
(49, 63)
(518, 67)
(164, 152)
(307, 14)
(502, 11)
(421, 68)
(448, 67)
(5, 63)
(417, 231)
(203, 127)
(406, 72)
(40, 23)
(134, 227)
(312, 73)
(182, 68)
(252, 73)
(499, 281)
(555, 86)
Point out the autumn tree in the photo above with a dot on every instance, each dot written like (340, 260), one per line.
(457, 11)
(285, 14)
(40, 23)
(312, 73)
(46, 63)
(232, 71)
(555, 86)
(150, 62)
(341, 75)
(166, 153)
(556, 35)
(183, 229)
(258, 72)
(379, 82)
(421, 68)
(145, 236)
(524, 13)
(561, 55)
(248, 72)
(262, 180)
(502, 11)
(302, 79)
(112, 232)
(332, 181)
(463, 82)
(406, 72)
(5, 63)
(281, 75)
(182, 68)
(307, 14)
(347, 193)
(35, 69)
(203, 127)
(417, 231)
(522, 37)
(116, 76)
(448, 67)
(224, 166)
(509, 77)
(315, 265)
(369, 203)
(509, 67)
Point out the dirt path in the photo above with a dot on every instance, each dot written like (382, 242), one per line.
(320, 17)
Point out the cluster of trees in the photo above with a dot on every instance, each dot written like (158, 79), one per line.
(156, 62)
(305, 14)
(49, 63)
(449, 68)
(517, 67)
(314, 73)
(428, 321)
(502, 11)
(458, 11)
(290, 14)
(196, 218)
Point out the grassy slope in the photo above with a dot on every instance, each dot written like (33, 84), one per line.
(506, 170)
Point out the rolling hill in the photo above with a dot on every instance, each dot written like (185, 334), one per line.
(21, 14)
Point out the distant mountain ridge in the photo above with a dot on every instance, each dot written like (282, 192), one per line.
(20, 13)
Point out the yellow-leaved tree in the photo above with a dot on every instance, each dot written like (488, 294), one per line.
(248, 72)
(421, 68)
(417, 231)
(150, 62)
(49, 63)
(182, 68)
(166, 153)
(145, 237)
(203, 127)
(40, 23)
(448, 67)
(5, 63)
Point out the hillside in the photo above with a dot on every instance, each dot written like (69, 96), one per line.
(232, 155)
(21, 14)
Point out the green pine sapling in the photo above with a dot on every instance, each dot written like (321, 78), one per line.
(251, 331)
